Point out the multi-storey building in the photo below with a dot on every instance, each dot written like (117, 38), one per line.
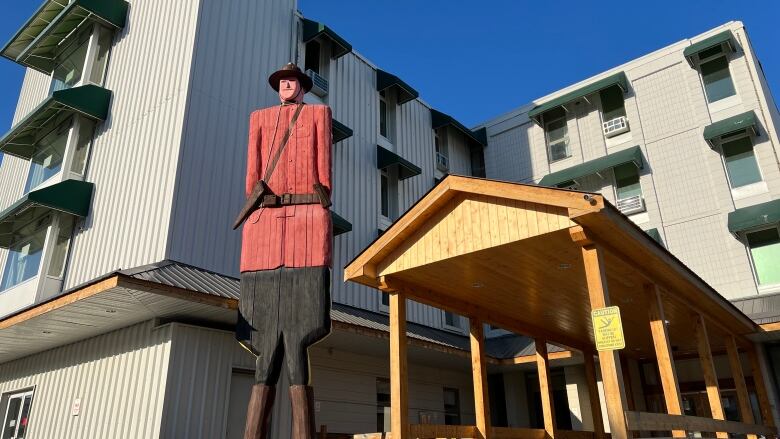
(124, 168)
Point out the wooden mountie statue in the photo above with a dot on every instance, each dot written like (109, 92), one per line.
(286, 249)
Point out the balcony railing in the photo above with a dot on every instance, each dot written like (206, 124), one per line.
(631, 205)
(320, 87)
(442, 162)
(613, 127)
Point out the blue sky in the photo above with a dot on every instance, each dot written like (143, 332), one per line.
(475, 60)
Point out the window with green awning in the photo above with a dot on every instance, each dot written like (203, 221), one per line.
(36, 43)
(746, 122)
(386, 159)
(404, 91)
(340, 225)
(723, 39)
(616, 80)
(631, 155)
(439, 120)
(340, 131)
(758, 215)
(313, 29)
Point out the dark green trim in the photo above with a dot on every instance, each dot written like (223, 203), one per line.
(754, 216)
(481, 135)
(630, 155)
(618, 79)
(340, 225)
(656, 235)
(723, 37)
(313, 29)
(36, 43)
(386, 158)
(340, 131)
(89, 100)
(744, 121)
(385, 80)
(70, 196)
(439, 119)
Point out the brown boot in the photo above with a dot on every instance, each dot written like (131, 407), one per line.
(302, 398)
(258, 412)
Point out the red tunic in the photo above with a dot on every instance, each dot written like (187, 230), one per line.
(289, 236)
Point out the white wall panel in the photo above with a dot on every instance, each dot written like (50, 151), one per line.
(135, 152)
(119, 378)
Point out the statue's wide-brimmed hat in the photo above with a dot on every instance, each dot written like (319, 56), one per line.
(290, 70)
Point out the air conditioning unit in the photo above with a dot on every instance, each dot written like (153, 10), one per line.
(631, 205)
(442, 162)
(618, 125)
(320, 87)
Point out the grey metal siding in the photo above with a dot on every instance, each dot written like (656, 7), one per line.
(119, 378)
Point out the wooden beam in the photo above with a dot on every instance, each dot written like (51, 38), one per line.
(743, 398)
(663, 422)
(399, 390)
(479, 377)
(545, 387)
(760, 384)
(611, 372)
(708, 370)
(663, 354)
(593, 395)
(770, 327)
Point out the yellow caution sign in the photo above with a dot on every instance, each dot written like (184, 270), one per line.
(608, 329)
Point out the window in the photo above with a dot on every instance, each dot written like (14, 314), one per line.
(86, 131)
(24, 255)
(384, 304)
(89, 52)
(17, 414)
(451, 320)
(477, 161)
(47, 157)
(627, 181)
(382, 114)
(451, 406)
(714, 68)
(70, 64)
(61, 246)
(612, 105)
(557, 134)
(765, 252)
(382, 404)
(442, 152)
(740, 160)
(312, 61)
(388, 197)
(387, 115)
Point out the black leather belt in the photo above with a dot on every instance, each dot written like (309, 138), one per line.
(274, 200)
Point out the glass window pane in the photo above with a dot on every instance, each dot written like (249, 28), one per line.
(24, 416)
(741, 164)
(385, 196)
(627, 181)
(312, 57)
(69, 71)
(86, 131)
(765, 250)
(449, 318)
(557, 138)
(612, 104)
(24, 258)
(11, 418)
(383, 117)
(717, 79)
(47, 158)
(61, 245)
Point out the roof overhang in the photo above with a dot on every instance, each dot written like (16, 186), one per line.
(313, 29)
(72, 197)
(340, 225)
(741, 122)
(89, 100)
(616, 80)
(507, 254)
(723, 38)
(36, 43)
(386, 158)
(385, 80)
(754, 216)
(630, 155)
(439, 120)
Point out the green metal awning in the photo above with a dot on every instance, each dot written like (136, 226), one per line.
(744, 121)
(89, 100)
(707, 43)
(439, 119)
(754, 216)
(386, 158)
(630, 155)
(618, 79)
(313, 29)
(386, 80)
(656, 235)
(340, 225)
(36, 43)
(340, 131)
(70, 196)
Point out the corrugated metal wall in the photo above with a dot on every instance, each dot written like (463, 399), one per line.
(135, 152)
(238, 44)
(119, 377)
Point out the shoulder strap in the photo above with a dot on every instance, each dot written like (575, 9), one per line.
(271, 166)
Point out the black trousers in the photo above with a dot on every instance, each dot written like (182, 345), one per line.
(281, 313)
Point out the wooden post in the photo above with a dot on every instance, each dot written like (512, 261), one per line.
(545, 387)
(593, 395)
(743, 399)
(761, 390)
(399, 397)
(479, 376)
(663, 354)
(611, 372)
(708, 370)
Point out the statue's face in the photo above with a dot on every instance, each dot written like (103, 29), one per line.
(290, 89)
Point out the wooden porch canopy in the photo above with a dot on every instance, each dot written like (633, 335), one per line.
(536, 261)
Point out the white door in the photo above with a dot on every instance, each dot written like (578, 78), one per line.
(240, 390)
(16, 415)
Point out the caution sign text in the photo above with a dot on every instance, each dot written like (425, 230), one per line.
(608, 329)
